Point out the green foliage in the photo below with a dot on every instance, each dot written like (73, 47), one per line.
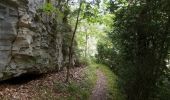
(114, 92)
(140, 42)
(50, 9)
(91, 74)
(107, 19)
(105, 53)
(164, 90)
(81, 89)
(91, 25)
(87, 36)
(91, 13)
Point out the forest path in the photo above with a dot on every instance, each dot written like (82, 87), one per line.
(100, 90)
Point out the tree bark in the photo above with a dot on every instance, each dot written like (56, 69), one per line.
(71, 45)
(86, 43)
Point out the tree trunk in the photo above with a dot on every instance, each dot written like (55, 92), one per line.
(86, 44)
(71, 45)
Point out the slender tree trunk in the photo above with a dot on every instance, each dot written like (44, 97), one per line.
(86, 44)
(71, 45)
(168, 60)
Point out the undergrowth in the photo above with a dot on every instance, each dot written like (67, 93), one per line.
(82, 89)
(79, 90)
(112, 87)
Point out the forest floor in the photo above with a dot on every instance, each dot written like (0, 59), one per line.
(92, 82)
(99, 92)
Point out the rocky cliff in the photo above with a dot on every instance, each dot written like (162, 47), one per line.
(30, 40)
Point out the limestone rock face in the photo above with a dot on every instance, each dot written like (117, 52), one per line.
(29, 44)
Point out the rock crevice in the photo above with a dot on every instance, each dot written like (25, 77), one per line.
(30, 41)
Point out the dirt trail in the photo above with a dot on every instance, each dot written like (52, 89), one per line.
(99, 91)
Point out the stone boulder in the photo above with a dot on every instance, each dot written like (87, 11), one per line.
(29, 44)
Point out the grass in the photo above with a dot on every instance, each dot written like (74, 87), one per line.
(81, 90)
(73, 90)
(90, 80)
(113, 90)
